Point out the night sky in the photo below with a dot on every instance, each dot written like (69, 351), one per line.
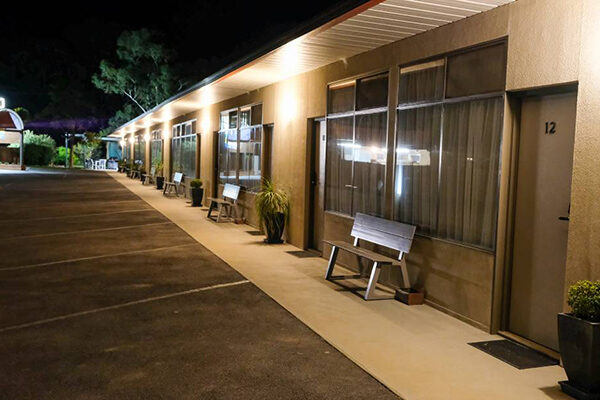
(60, 44)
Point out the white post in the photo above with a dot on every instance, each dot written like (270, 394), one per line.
(21, 153)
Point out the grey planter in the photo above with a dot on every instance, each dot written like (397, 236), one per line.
(579, 342)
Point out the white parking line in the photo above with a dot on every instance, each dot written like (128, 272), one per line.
(86, 231)
(94, 257)
(122, 305)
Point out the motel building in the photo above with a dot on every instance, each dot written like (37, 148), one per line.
(475, 121)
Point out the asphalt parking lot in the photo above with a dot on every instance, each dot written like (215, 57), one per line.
(102, 297)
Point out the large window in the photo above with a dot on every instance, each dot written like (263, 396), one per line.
(156, 146)
(449, 126)
(240, 146)
(357, 121)
(139, 149)
(183, 148)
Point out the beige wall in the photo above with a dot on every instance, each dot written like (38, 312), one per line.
(583, 256)
(550, 42)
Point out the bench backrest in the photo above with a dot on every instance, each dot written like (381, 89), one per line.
(177, 177)
(392, 234)
(231, 191)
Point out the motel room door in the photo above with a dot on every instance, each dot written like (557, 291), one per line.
(541, 223)
(317, 185)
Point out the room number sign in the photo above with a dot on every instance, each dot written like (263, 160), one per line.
(550, 128)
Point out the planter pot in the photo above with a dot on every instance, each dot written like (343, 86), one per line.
(274, 227)
(579, 342)
(160, 181)
(410, 296)
(197, 194)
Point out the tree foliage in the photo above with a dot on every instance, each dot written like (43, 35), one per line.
(142, 73)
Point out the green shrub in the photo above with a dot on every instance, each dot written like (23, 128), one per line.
(196, 183)
(61, 156)
(584, 299)
(38, 149)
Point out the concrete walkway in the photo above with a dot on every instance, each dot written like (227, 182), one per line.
(417, 352)
(103, 297)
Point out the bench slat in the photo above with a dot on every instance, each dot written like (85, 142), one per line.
(362, 252)
(392, 234)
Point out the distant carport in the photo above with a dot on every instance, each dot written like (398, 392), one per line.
(11, 134)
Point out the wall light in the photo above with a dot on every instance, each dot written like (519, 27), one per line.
(165, 134)
(288, 106)
(131, 140)
(122, 142)
(147, 137)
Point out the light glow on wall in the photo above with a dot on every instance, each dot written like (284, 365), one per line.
(131, 140)
(122, 142)
(146, 137)
(288, 106)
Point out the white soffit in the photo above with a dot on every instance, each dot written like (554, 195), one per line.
(383, 23)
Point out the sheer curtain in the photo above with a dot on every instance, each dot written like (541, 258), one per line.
(469, 175)
(417, 167)
(370, 153)
(340, 153)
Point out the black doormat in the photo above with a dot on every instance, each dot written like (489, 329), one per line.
(517, 355)
(254, 233)
(303, 254)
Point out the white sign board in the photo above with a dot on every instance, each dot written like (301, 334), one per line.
(2, 102)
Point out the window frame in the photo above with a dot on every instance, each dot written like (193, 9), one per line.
(181, 137)
(354, 113)
(238, 128)
(442, 102)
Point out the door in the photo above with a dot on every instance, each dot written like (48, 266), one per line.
(317, 185)
(541, 221)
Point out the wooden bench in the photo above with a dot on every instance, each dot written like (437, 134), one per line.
(379, 231)
(134, 174)
(227, 203)
(175, 184)
(149, 178)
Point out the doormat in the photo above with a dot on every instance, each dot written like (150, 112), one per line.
(517, 355)
(303, 254)
(254, 233)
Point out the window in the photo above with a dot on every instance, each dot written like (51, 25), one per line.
(448, 149)
(183, 148)
(126, 149)
(139, 150)
(156, 146)
(357, 121)
(240, 147)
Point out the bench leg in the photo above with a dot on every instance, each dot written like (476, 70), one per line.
(373, 280)
(210, 208)
(220, 209)
(405, 277)
(332, 258)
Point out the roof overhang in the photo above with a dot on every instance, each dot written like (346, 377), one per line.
(10, 121)
(336, 35)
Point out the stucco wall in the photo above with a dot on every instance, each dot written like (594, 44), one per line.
(548, 44)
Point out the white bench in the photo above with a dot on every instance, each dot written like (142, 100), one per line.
(382, 232)
(227, 203)
(175, 184)
(149, 178)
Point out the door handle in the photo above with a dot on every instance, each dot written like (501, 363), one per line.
(563, 218)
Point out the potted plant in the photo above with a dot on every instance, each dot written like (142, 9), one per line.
(273, 208)
(158, 170)
(197, 192)
(579, 341)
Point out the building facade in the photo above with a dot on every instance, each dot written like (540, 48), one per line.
(481, 132)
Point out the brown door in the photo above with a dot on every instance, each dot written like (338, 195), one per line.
(317, 185)
(541, 216)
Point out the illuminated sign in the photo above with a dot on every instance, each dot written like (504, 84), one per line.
(2, 102)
